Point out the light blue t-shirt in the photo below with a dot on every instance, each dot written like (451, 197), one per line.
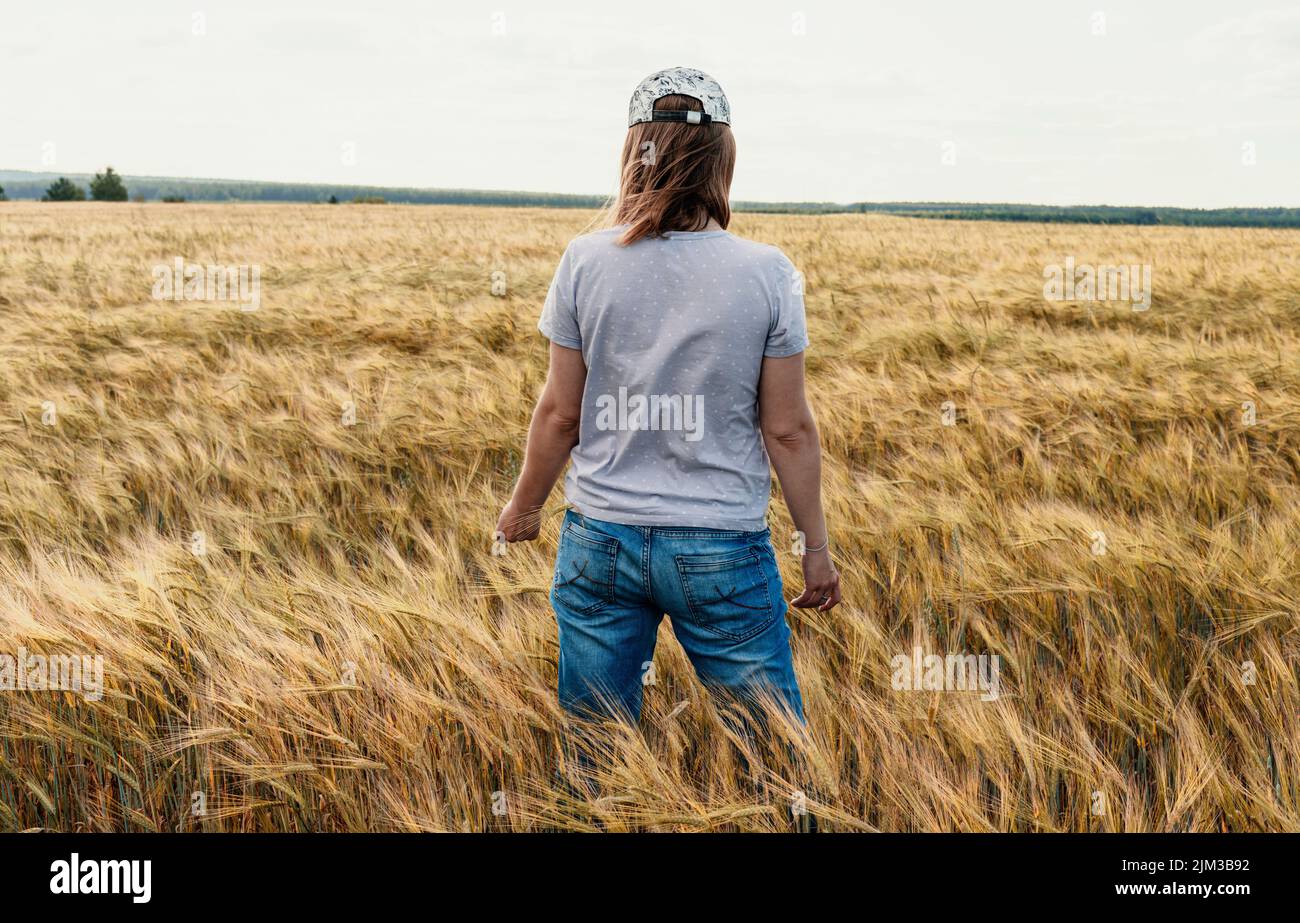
(673, 331)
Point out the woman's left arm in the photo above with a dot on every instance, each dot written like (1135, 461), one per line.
(551, 436)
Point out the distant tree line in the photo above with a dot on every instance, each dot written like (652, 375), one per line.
(200, 190)
(64, 190)
(1071, 214)
(105, 187)
(1091, 214)
(110, 187)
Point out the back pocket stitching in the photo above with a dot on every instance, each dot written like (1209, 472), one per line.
(685, 566)
(729, 597)
(603, 592)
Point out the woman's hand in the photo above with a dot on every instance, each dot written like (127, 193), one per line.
(821, 582)
(519, 523)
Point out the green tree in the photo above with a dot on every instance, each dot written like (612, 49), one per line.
(107, 187)
(64, 190)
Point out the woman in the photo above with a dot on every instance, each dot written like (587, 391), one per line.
(676, 372)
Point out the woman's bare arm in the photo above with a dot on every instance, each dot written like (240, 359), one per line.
(551, 437)
(790, 434)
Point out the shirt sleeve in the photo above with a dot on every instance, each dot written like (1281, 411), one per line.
(788, 333)
(559, 321)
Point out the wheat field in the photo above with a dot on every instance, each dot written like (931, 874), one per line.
(303, 626)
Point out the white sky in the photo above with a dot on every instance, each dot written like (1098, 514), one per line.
(1032, 106)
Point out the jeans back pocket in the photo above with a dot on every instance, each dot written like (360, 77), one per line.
(584, 569)
(728, 593)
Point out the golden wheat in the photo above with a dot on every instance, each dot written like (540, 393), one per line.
(347, 654)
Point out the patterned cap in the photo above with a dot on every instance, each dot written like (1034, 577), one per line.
(685, 81)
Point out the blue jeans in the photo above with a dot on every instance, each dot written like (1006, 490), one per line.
(612, 585)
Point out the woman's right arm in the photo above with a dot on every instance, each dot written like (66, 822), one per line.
(790, 434)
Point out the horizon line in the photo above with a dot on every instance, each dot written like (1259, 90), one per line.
(39, 175)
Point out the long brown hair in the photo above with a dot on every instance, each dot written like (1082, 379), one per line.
(676, 176)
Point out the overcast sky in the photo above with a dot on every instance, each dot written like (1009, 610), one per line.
(1158, 102)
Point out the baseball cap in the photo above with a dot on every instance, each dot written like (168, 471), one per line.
(682, 81)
